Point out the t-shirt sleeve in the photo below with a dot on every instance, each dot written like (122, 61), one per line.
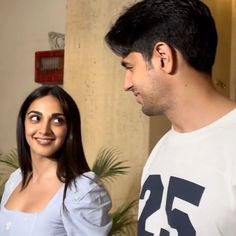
(86, 208)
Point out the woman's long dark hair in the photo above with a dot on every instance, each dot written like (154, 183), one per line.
(70, 157)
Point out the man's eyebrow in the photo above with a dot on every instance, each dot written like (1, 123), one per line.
(125, 64)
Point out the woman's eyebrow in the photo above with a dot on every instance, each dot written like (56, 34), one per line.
(41, 114)
(58, 114)
(35, 112)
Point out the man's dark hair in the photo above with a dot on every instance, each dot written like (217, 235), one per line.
(185, 25)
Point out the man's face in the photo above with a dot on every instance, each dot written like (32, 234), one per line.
(148, 84)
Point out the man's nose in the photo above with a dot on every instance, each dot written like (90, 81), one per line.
(128, 84)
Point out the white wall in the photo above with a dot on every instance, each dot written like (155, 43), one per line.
(24, 27)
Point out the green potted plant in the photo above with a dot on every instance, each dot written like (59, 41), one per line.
(107, 167)
(8, 163)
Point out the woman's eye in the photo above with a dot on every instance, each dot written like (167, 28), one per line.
(34, 118)
(58, 120)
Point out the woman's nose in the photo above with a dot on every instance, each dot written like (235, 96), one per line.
(45, 127)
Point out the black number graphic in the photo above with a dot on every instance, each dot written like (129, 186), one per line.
(179, 220)
(155, 186)
(189, 192)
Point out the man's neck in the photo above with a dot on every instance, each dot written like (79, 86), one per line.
(197, 105)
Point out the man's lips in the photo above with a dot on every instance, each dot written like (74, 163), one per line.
(138, 97)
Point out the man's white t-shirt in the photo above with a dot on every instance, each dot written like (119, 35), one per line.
(189, 183)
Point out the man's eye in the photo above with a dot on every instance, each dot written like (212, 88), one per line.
(130, 68)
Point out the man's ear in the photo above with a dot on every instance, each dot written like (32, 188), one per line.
(163, 57)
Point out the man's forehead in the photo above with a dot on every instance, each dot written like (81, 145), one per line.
(131, 58)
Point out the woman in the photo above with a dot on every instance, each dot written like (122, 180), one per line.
(53, 193)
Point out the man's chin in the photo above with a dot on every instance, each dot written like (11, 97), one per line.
(150, 112)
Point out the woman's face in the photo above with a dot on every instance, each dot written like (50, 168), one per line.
(45, 127)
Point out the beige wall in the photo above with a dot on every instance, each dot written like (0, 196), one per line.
(24, 28)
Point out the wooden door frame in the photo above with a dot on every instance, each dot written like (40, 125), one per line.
(233, 54)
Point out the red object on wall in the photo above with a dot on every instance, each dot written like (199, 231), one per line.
(49, 67)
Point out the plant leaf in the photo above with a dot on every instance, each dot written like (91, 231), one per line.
(124, 220)
(8, 163)
(107, 166)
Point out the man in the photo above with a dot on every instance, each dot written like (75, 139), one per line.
(168, 48)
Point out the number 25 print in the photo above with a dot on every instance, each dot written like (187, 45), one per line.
(178, 220)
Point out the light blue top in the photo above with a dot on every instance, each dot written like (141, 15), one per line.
(85, 213)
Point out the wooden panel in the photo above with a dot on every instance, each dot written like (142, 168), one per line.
(94, 77)
(233, 53)
(222, 13)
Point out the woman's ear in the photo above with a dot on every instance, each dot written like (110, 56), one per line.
(164, 58)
